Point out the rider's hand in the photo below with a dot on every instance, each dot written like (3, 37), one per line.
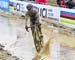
(26, 27)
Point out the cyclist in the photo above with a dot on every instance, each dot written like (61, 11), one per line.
(34, 20)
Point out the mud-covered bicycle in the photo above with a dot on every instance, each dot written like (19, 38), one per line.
(37, 36)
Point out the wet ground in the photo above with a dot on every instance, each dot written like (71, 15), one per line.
(17, 41)
(19, 44)
(14, 37)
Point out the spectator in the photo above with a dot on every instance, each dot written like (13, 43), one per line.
(61, 3)
(58, 2)
(70, 4)
(41, 1)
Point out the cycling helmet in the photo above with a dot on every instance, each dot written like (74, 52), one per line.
(29, 6)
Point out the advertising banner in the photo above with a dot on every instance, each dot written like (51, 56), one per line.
(45, 11)
(67, 16)
(62, 15)
(4, 5)
(48, 11)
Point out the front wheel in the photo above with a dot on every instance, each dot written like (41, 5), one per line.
(38, 38)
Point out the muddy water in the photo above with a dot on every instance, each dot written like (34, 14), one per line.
(14, 37)
(19, 43)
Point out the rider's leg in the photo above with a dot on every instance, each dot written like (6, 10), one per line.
(31, 25)
(37, 45)
(39, 27)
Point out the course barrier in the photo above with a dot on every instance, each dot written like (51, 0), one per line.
(61, 15)
(4, 5)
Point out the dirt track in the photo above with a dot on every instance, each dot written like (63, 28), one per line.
(16, 26)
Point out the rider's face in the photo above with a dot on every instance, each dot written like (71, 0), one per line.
(30, 9)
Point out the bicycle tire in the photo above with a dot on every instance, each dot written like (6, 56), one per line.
(37, 40)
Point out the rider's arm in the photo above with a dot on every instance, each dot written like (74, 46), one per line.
(26, 19)
(38, 20)
(26, 22)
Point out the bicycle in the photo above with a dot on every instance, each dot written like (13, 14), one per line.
(38, 39)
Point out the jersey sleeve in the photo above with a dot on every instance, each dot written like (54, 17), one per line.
(36, 14)
(26, 14)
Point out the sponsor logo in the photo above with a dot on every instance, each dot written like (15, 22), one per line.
(22, 8)
(17, 6)
(41, 11)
